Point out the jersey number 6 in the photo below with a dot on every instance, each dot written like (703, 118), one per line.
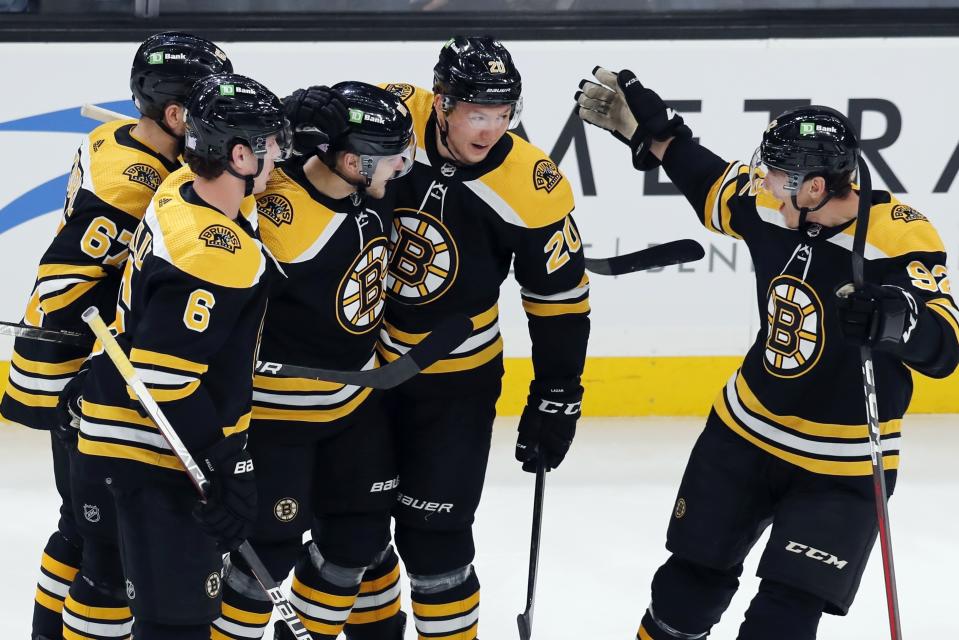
(197, 314)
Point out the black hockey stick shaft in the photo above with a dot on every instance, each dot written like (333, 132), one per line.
(19, 330)
(525, 620)
(872, 411)
(663, 255)
(92, 317)
(436, 345)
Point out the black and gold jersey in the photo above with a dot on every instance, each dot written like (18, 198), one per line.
(189, 314)
(114, 177)
(328, 310)
(799, 394)
(455, 233)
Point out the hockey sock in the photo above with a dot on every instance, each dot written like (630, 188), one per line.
(246, 609)
(92, 613)
(782, 612)
(323, 594)
(58, 568)
(450, 614)
(376, 614)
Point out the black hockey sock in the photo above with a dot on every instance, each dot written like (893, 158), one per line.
(782, 612)
(155, 631)
(376, 614)
(323, 607)
(450, 614)
(58, 568)
(245, 611)
(91, 611)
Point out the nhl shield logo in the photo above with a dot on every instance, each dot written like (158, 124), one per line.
(212, 585)
(286, 509)
(220, 237)
(275, 208)
(447, 170)
(143, 174)
(546, 175)
(91, 513)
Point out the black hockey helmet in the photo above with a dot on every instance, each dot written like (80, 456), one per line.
(166, 67)
(812, 140)
(380, 126)
(480, 70)
(226, 109)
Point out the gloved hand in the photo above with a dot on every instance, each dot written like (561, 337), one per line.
(68, 406)
(229, 512)
(318, 117)
(883, 317)
(634, 114)
(548, 424)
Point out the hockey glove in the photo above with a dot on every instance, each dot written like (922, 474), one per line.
(634, 114)
(318, 117)
(229, 512)
(548, 424)
(883, 317)
(68, 407)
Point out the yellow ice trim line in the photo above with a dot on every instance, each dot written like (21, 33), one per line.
(667, 386)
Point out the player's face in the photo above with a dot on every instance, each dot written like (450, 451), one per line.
(475, 128)
(386, 168)
(273, 153)
(806, 196)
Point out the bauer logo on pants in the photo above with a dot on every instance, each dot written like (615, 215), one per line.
(795, 335)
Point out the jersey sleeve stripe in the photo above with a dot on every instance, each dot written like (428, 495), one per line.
(555, 309)
(716, 214)
(56, 270)
(68, 367)
(944, 308)
(65, 299)
(166, 361)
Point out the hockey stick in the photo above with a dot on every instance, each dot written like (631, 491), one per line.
(872, 411)
(92, 317)
(46, 335)
(438, 344)
(525, 620)
(662, 255)
(100, 114)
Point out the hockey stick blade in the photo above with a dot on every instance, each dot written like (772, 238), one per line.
(663, 255)
(46, 335)
(435, 346)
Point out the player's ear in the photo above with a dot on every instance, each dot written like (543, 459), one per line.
(173, 116)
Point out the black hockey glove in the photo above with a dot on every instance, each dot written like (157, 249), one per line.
(318, 117)
(883, 317)
(229, 512)
(634, 114)
(548, 424)
(68, 407)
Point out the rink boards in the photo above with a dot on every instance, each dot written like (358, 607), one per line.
(662, 342)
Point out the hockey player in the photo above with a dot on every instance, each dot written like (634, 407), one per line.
(117, 169)
(786, 442)
(478, 200)
(189, 313)
(323, 452)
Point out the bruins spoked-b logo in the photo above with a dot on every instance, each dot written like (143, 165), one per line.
(286, 509)
(362, 294)
(220, 237)
(546, 175)
(212, 585)
(423, 258)
(275, 208)
(795, 328)
(143, 174)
